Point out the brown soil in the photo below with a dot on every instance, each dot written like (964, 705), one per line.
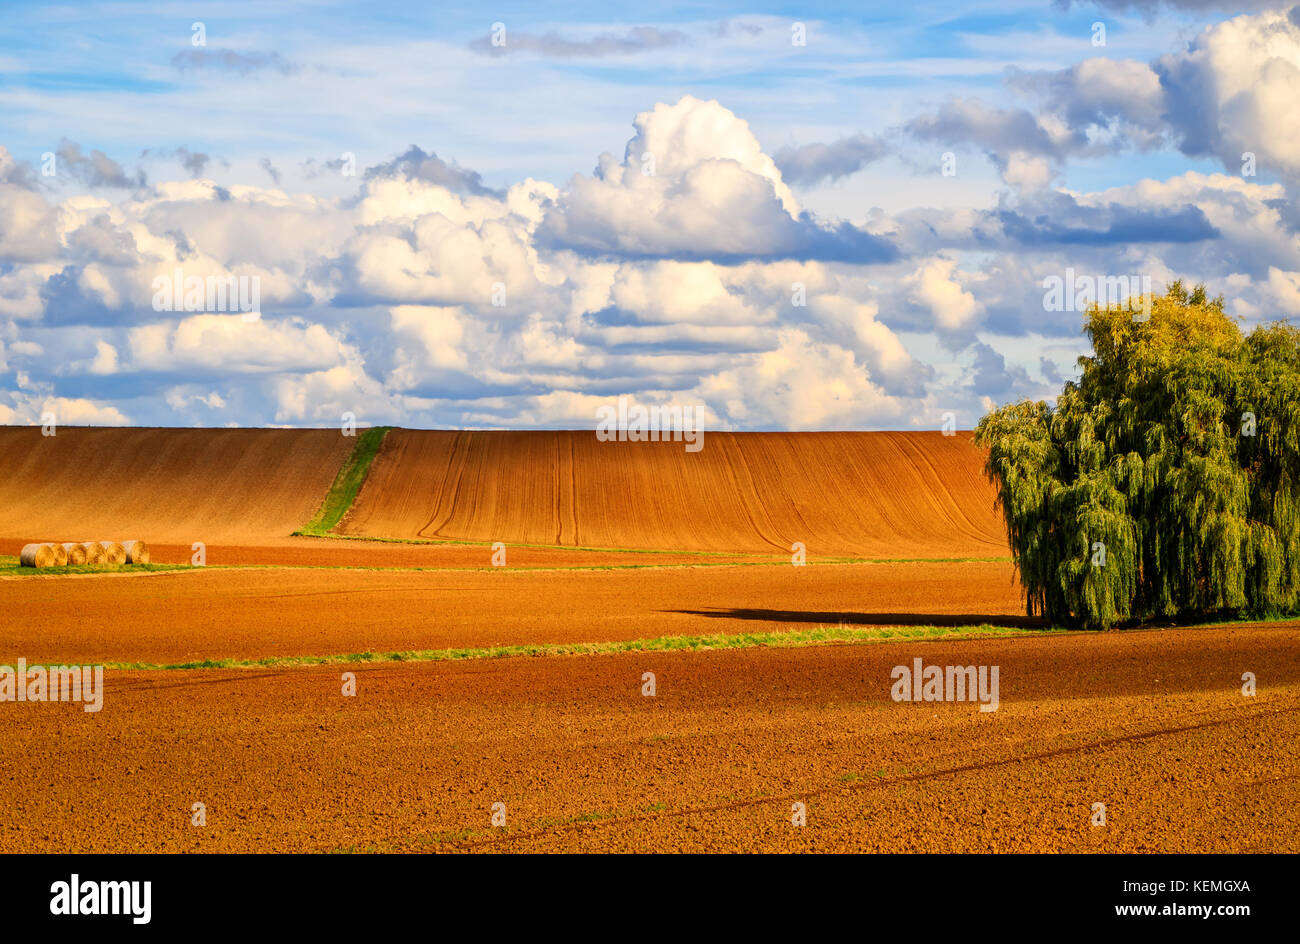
(1152, 724)
(889, 495)
(249, 614)
(165, 485)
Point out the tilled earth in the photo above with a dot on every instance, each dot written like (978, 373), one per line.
(1149, 727)
(1152, 724)
(171, 617)
(859, 494)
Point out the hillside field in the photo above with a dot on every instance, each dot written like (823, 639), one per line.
(516, 675)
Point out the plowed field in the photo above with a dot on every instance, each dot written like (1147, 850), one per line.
(1151, 723)
(164, 485)
(889, 495)
(249, 614)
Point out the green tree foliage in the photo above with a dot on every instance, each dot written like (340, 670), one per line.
(1164, 482)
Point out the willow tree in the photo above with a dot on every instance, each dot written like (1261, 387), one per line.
(1164, 483)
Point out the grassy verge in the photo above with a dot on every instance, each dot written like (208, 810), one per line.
(774, 557)
(567, 568)
(347, 483)
(465, 542)
(791, 639)
(12, 566)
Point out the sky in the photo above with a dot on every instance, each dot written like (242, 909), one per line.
(788, 216)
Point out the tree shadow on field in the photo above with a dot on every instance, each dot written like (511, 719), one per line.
(827, 617)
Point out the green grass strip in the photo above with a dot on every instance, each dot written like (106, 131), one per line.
(763, 557)
(12, 566)
(465, 542)
(789, 639)
(515, 570)
(347, 483)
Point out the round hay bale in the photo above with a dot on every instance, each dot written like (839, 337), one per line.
(76, 554)
(37, 555)
(114, 553)
(94, 552)
(137, 552)
(60, 555)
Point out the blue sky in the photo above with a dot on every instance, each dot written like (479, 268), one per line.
(523, 165)
(106, 72)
